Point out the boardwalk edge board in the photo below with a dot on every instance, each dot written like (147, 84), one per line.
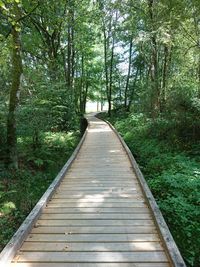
(21, 234)
(168, 241)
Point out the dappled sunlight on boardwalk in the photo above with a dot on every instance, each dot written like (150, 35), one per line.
(98, 216)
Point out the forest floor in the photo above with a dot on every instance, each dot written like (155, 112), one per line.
(20, 190)
(170, 164)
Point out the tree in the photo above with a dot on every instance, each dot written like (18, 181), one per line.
(109, 18)
(12, 12)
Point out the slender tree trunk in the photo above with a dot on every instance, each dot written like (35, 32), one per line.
(65, 67)
(52, 69)
(69, 56)
(120, 92)
(111, 78)
(197, 32)
(69, 45)
(199, 76)
(106, 63)
(85, 97)
(128, 75)
(164, 78)
(12, 159)
(101, 98)
(155, 92)
(82, 86)
(132, 92)
(73, 50)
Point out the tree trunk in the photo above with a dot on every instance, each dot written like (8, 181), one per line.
(72, 50)
(12, 159)
(106, 66)
(69, 55)
(52, 69)
(132, 92)
(111, 78)
(81, 101)
(164, 79)
(198, 75)
(65, 67)
(85, 97)
(155, 92)
(128, 75)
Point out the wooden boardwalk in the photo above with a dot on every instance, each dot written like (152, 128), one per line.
(98, 216)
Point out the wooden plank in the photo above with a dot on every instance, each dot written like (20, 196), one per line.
(89, 183)
(65, 264)
(100, 204)
(109, 175)
(146, 229)
(98, 194)
(99, 170)
(96, 187)
(118, 166)
(121, 180)
(99, 175)
(97, 200)
(104, 181)
(92, 222)
(98, 190)
(97, 210)
(98, 180)
(119, 190)
(88, 216)
(94, 257)
(102, 161)
(81, 165)
(92, 237)
(128, 246)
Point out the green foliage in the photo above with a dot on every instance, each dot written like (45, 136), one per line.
(21, 189)
(171, 167)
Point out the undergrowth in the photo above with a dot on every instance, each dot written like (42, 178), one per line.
(20, 190)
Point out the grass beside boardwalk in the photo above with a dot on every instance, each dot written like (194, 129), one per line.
(20, 190)
(170, 163)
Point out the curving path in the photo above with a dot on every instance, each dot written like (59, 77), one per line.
(98, 216)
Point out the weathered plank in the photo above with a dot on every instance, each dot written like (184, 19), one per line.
(146, 229)
(98, 187)
(93, 257)
(98, 196)
(94, 222)
(89, 183)
(88, 204)
(92, 200)
(126, 246)
(99, 216)
(92, 197)
(65, 264)
(100, 176)
(67, 237)
(119, 190)
(97, 210)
